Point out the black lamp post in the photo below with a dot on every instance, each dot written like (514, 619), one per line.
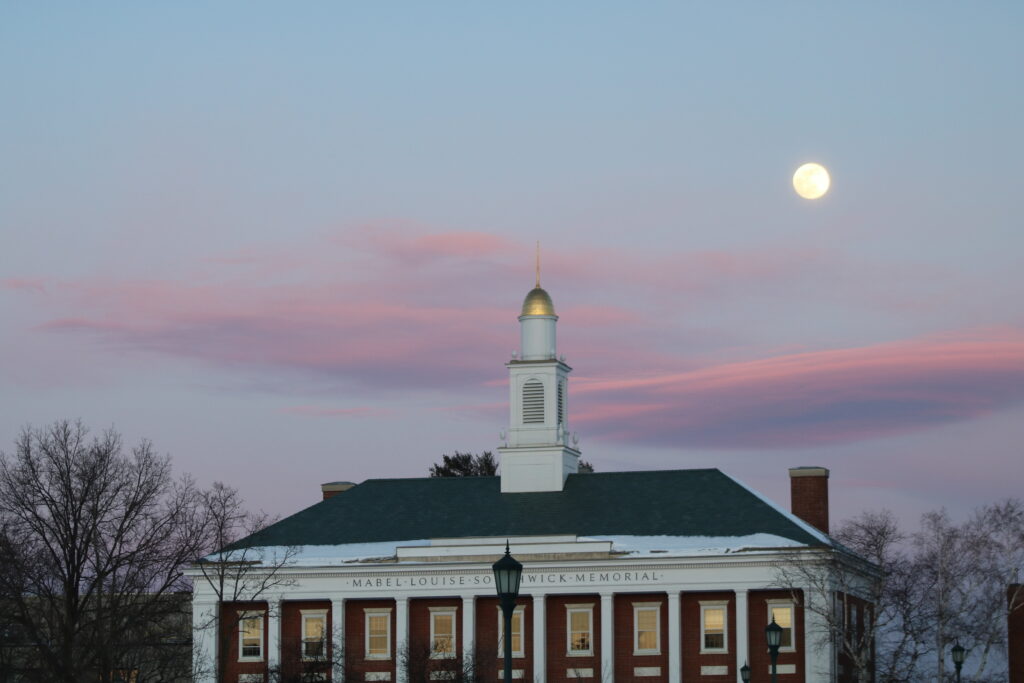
(745, 673)
(507, 572)
(959, 655)
(773, 634)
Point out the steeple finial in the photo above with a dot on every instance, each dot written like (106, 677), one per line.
(538, 263)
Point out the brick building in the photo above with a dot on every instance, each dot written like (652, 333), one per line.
(655, 576)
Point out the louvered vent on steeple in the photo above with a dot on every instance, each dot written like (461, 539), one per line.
(533, 402)
(561, 403)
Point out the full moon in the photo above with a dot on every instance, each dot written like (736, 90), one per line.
(811, 181)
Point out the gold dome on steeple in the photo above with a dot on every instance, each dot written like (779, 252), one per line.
(538, 302)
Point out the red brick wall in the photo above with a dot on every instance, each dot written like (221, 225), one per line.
(1015, 632)
(760, 661)
(229, 624)
(625, 659)
(692, 658)
(855, 634)
(291, 639)
(557, 639)
(356, 664)
(809, 500)
(489, 660)
(420, 645)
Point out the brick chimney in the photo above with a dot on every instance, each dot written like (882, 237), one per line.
(809, 495)
(333, 488)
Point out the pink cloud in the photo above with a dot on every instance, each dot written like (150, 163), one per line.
(23, 284)
(813, 398)
(317, 411)
(429, 312)
(419, 247)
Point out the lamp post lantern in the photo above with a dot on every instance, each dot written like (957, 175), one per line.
(745, 673)
(773, 634)
(507, 573)
(959, 654)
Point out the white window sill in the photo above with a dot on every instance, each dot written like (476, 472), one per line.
(378, 658)
(580, 654)
(723, 651)
(250, 659)
(646, 653)
(444, 656)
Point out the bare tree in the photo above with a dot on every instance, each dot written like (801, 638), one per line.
(303, 661)
(465, 465)
(92, 545)
(233, 571)
(867, 597)
(922, 592)
(422, 664)
(990, 556)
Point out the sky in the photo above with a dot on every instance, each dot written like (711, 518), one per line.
(288, 243)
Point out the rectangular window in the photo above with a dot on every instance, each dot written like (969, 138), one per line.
(714, 626)
(579, 627)
(782, 613)
(314, 633)
(646, 628)
(442, 632)
(250, 636)
(378, 633)
(517, 633)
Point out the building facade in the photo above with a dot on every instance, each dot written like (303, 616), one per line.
(667, 576)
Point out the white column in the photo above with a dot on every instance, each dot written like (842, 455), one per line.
(205, 624)
(818, 659)
(607, 637)
(273, 634)
(338, 637)
(401, 636)
(540, 634)
(742, 630)
(468, 626)
(674, 640)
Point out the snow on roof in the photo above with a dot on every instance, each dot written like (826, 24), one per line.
(623, 546)
(689, 546)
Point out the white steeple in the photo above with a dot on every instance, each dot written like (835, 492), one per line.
(537, 455)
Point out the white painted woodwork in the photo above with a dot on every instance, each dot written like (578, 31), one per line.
(540, 651)
(607, 636)
(401, 634)
(742, 629)
(673, 637)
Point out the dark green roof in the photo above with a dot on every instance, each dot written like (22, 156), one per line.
(653, 503)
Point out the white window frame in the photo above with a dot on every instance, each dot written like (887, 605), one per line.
(588, 609)
(447, 611)
(244, 615)
(642, 607)
(723, 605)
(313, 615)
(519, 611)
(376, 612)
(769, 604)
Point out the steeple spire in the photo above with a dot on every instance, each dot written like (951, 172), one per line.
(538, 265)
